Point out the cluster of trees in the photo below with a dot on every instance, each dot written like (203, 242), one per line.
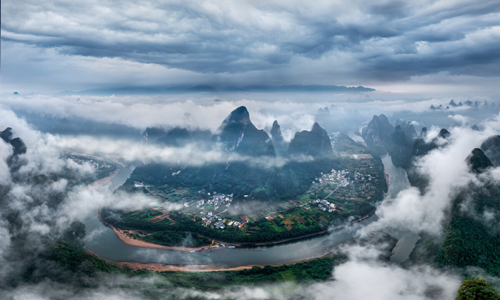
(472, 240)
(81, 264)
(317, 269)
(77, 261)
(177, 238)
(285, 182)
(476, 289)
(185, 225)
(241, 178)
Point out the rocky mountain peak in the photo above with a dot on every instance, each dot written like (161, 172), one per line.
(423, 133)
(276, 132)
(478, 162)
(239, 115)
(7, 134)
(315, 142)
(237, 133)
(444, 134)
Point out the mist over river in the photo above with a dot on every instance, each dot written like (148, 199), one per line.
(105, 243)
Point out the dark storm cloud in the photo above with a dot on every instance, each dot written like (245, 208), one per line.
(382, 39)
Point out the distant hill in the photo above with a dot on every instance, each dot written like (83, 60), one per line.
(204, 88)
(260, 173)
(237, 133)
(279, 143)
(377, 133)
(315, 142)
(176, 137)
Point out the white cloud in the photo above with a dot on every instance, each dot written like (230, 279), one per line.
(363, 277)
(448, 173)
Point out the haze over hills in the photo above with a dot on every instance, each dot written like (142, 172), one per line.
(294, 181)
(276, 175)
(221, 89)
(242, 150)
(237, 133)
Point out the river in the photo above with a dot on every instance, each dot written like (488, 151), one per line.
(105, 243)
(406, 239)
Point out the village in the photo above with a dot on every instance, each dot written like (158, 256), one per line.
(337, 177)
(334, 195)
(211, 211)
(341, 178)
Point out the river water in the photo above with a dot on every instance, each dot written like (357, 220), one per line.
(406, 239)
(105, 243)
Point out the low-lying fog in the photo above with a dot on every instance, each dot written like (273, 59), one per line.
(34, 212)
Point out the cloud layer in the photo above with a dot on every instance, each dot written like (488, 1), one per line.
(362, 276)
(248, 42)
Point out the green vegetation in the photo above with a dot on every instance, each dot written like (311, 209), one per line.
(301, 198)
(316, 269)
(258, 231)
(293, 218)
(177, 238)
(477, 289)
(286, 219)
(238, 178)
(81, 262)
(72, 259)
(344, 144)
(471, 240)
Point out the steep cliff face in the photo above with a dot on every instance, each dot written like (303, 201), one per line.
(421, 148)
(472, 233)
(408, 129)
(491, 147)
(377, 134)
(423, 133)
(237, 133)
(315, 142)
(276, 133)
(478, 162)
(324, 117)
(279, 143)
(399, 148)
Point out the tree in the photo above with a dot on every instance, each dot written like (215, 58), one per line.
(477, 289)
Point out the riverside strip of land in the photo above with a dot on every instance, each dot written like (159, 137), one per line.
(156, 267)
(139, 243)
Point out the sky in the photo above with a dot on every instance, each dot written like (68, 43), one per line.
(445, 46)
(425, 51)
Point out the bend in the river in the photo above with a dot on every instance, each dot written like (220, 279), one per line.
(105, 243)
